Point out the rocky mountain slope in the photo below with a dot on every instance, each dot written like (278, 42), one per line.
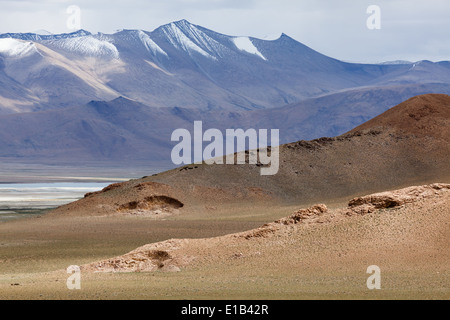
(126, 132)
(116, 98)
(183, 65)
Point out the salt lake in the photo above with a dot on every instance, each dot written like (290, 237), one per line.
(35, 198)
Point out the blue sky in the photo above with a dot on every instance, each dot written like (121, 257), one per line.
(410, 29)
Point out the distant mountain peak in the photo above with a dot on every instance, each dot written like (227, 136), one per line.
(87, 45)
(15, 48)
(187, 37)
(182, 23)
(80, 33)
(30, 36)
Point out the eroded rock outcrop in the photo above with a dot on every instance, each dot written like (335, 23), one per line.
(173, 255)
(393, 199)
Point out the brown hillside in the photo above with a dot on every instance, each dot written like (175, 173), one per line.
(421, 115)
(407, 145)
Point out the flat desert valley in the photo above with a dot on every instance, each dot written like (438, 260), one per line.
(375, 196)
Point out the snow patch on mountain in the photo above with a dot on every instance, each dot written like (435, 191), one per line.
(180, 40)
(16, 48)
(89, 46)
(203, 40)
(245, 44)
(150, 44)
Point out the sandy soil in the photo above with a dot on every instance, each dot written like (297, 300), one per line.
(314, 253)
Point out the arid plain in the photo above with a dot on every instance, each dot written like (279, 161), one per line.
(242, 236)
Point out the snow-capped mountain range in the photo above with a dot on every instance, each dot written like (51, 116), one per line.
(85, 96)
(181, 65)
(181, 35)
